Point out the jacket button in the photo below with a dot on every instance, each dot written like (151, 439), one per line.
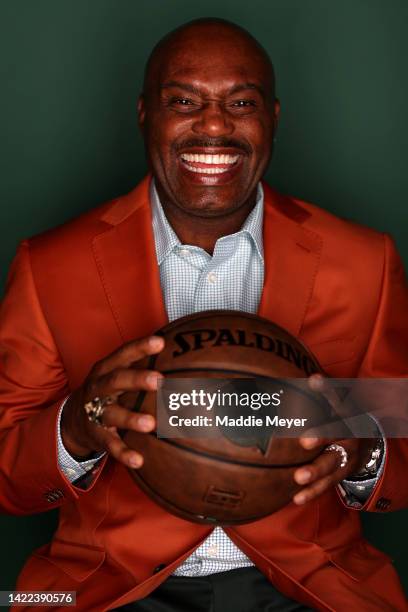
(53, 495)
(383, 503)
(159, 568)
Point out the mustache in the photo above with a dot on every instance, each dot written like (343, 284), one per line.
(213, 143)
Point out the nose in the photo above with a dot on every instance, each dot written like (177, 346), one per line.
(213, 121)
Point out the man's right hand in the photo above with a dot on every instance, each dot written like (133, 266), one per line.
(111, 376)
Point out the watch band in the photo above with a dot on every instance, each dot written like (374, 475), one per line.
(372, 466)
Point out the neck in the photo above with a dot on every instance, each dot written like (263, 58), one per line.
(201, 231)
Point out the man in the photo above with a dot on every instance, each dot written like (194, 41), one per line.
(83, 300)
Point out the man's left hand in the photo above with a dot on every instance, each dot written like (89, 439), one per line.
(326, 471)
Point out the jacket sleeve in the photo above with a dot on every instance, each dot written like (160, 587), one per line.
(33, 385)
(387, 357)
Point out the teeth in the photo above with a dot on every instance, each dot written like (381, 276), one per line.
(209, 159)
(206, 170)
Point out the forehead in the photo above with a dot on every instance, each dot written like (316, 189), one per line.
(214, 62)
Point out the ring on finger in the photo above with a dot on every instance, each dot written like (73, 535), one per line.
(95, 409)
(338, 449)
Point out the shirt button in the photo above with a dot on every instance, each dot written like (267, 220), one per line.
(212, 551)
(71, 472)
(212, 277)
(184, 252)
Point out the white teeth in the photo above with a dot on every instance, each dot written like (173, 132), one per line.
(209, 159)
(206, 170)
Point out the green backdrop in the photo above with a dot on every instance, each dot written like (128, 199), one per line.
(70, 76)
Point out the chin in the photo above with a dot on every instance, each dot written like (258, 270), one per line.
(210, 208)
(210, 201)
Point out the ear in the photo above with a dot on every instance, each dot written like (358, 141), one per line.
(141, 111)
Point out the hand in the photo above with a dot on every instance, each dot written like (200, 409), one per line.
(325, 471)
(111, 376)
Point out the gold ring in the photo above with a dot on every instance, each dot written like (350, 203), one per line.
(95, 409)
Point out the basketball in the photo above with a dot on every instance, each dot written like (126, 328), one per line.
(232, 476)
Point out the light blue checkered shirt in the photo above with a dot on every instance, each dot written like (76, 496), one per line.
(193, 281)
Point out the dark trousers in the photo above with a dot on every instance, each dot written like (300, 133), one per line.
(241, 590)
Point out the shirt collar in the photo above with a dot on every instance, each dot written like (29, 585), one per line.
(166, 239)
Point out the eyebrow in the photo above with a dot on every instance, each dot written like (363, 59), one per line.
(197, 92)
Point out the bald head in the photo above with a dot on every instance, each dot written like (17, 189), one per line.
(200, 35)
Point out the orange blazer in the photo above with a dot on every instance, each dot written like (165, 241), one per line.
(76, 293)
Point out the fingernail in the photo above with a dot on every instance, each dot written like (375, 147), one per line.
(300, 499)
(303, 476)
(310, 442)
(155, 342)
(153, 379)
(316, 381)
(146, 422)
(135, 461)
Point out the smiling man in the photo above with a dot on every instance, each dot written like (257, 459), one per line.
(200, 232)
(216, 112)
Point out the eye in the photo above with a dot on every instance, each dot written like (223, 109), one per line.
(244, 103)
(182, 104)
(183, 101)
(243, 106)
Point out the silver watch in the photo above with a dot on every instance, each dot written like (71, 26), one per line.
(373, 464)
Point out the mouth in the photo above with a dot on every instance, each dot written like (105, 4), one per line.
(208, 163)
(210, 167)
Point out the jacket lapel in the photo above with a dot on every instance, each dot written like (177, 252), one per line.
(292, 255)
(126, 260)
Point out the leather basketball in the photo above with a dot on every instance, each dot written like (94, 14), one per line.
(224, 479)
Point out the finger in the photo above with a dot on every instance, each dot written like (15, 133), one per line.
(323, 473)
(334, 430)
(129, 353)
(116, 416)
(311, 440)
(327, 463)
(320, 384)
(338, 398)
(117, 448)
(107, 439)
(310, 493)
(121, 380)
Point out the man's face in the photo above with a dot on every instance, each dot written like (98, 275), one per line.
(208, 120)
